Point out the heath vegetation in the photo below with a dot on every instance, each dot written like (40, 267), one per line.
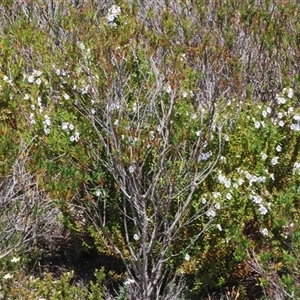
(154, 142)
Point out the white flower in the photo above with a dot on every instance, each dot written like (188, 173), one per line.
(216, 194)
(187, 257)
(227, 183)
(57, 72)
(66, 96)
(98, 193)
(295, 127)
(228, 196)
(47, 121)
(46, 130)
(290, 110)
(264, 232)
(219, 227)
(159, 128)
(264, 156)
(169, 89)
(136, 237)
(198, 133)
(240, 181)
(274, 160)
(280, 115)
(217, 206)
(278, 148)
(72, 138)
(262, 209)
(256, 199)
(264, 113)
(37, 73)
(30, 79)
(280, 100)
(81, 46)
(32, 120)
(289, 92)
(26, 97)
(184, 94)
(131, 169)
(65, 125)
(71, 126)
(296, 167)
(76, 136)
(203, 201)
(211, 213)
(114, 106)
(113, 12)
(205, 156)
(7, 276)
(128, 282)
(296, 117)
(256, 124)
(281, 123)
(38, 81)
(15, 259)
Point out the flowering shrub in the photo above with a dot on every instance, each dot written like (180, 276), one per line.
(256, 187)
(165, 135)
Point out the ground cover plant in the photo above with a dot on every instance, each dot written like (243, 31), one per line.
(160, 138)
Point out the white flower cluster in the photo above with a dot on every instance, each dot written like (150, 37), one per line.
(47, 124)
(59, 72)
(7, 80)
(253, 178)
(280, 100)
(278, 117)
(289, 92)
(259, 201)
(113, 12)
(266, 112)
(70, 129)
(114, 106)
(296, 125)
(205, 156)
(258, 124)
(186, 94)
(15, 259)
(40, 104)
(34, 77)
(223, 180)
(264, 232)
(212, 212)
(7, 276)
(296, 168)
